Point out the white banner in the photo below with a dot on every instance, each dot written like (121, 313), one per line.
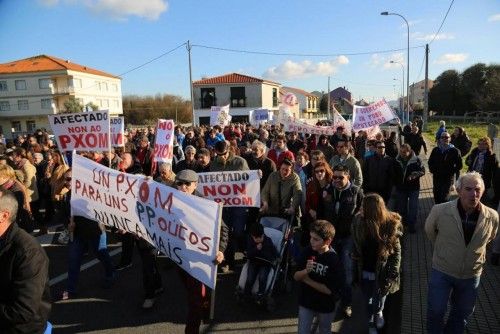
(292, 124)
(220, 116)
(235, 188)
(164, 141)
(369, 116)
(183, 227)
(86, 131)
(339, 120)
(260, 116)
(117, 128)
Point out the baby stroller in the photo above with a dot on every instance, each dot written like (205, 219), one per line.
(278, 230)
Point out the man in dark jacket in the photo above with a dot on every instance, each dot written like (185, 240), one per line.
(444, 162)
(409, 169)
(24, 275)
(378, 173)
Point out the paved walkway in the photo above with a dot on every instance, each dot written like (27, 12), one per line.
(417, 257)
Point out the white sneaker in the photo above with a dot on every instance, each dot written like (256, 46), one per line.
(379, 320)
(63, 238)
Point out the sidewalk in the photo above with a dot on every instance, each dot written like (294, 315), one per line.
(417, 257)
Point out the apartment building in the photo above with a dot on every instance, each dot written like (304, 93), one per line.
(243, 93)
(32, 88)
(307, 103)
(417, 94)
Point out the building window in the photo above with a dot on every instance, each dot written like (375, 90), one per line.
(238, 98)
(77, 83)
(208, 98)
(97, 85)
(43, 83)
(20, 84)
(275, 97)
(16, 126)
(22, 105)
(308, 103)
(46, 103)
(30, 126)
(105, 86)
(114, 87)
(4, 106)
(3, 86)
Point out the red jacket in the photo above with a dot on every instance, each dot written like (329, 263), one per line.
(272, 154)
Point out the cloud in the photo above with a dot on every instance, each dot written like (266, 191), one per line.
(384, 61)
(118, 9)
(494, 18)
(442, 36)
(293, 70)
(451, 58)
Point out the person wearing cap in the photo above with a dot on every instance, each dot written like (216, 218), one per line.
(198, 294)
(189, 161)
(236, 217)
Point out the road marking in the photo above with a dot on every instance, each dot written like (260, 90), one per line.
(85, 266)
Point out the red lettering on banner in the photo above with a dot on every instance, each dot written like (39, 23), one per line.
(165, 125)
(77, 129)
(117, 138)
(84, 141)
(163, 151)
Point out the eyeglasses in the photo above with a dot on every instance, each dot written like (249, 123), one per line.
(338, 177)
(320, 171)
(182, 183)
(380, 147)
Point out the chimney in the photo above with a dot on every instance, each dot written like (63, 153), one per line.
(67, 60)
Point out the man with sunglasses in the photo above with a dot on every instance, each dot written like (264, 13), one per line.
(346, 198)
(236, 217)
(378, 173)
(444, 162)
(198, 294)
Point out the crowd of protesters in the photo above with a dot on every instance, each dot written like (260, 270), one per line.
(350, 197)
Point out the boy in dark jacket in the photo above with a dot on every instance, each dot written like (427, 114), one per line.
(260, 253)
(321, 277)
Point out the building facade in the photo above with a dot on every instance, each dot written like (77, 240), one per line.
(307, 103)
(32, 88)
(417, 94)
(243, 93)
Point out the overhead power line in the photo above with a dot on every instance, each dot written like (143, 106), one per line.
(442, 23)
(269, 53)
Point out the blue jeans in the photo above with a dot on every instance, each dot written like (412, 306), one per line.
(255, 271)
(343, 247)
(306, 317)
(463, 298)
(76, 249)
(374, 300)
(407, 205)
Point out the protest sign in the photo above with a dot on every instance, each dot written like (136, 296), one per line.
(234, 188)
(259, 116)
(220, 116)
(289, 99)
(164, 141)
(117, 128)
(339, 120)
(87, 131)
(369, 116)
(183, 227)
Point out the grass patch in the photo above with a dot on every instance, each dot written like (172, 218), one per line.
(473, 130)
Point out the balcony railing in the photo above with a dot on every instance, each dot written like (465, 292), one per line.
(238, 102)
(206, 103)
(63, 90)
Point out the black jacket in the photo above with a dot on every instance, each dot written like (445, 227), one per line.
(267, 252)
(490, 166)
(266, 165)
(413, 167)
(444, 164)
(24, 283)
(378, 174)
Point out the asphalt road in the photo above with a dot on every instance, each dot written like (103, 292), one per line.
(118, 310)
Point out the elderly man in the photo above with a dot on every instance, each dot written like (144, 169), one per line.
(24, 275)
(459, 231)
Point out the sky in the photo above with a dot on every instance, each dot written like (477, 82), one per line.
(316, 39)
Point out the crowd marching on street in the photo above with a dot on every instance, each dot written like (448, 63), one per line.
(350, 197)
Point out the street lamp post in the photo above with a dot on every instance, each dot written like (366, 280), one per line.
(401, 105)
(402, 86)
(407, 63)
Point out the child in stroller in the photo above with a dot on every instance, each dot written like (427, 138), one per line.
(261, 254)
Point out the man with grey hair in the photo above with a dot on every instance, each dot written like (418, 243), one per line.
(24, 275)
(459, 231)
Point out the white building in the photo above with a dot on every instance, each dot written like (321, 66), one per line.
(307, 104)
(243, 94)
(417, 93)
(32, 88)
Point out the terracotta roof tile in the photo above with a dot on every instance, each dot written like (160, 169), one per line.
(45, 63)
(297, 91)
(231, 78)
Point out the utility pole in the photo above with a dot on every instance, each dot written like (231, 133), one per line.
(191, 81)
(426, 88)
(328, 108)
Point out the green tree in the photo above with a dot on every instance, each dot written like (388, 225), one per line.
(473, 81)
(91, 106)
(445, 94)
(73, 106)
(137, 109)
(491, 99)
